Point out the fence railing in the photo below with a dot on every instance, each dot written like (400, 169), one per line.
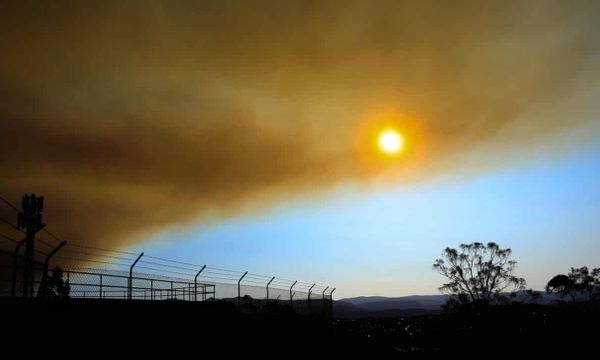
(248, 291)
(85, 284)
(34, 262)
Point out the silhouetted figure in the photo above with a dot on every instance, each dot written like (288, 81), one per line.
(54, 285)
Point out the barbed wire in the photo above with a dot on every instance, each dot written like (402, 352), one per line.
(9, 204)
(9, 238)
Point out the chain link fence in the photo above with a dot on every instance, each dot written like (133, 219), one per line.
(251, 292)
(59, 268)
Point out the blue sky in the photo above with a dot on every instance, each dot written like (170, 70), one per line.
(225, 135)
(384, 242)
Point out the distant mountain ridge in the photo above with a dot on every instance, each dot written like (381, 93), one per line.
(382, 306)
(376, 303)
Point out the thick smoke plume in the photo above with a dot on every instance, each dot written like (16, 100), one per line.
(131, 117)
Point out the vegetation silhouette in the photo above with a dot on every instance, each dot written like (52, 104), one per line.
(54, 285)
(560, 284)
(480, 274)
(580, 283)
(261, 328)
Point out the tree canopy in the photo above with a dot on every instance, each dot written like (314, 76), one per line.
(478, 272)
(579, 283)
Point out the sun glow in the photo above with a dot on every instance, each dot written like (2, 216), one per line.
(390, 142)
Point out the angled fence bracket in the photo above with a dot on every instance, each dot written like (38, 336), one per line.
(323, 297)
(309, 291)
(196, 284)
(130, 279)
(240, 288)
(269, 283)
(292, 295)
(43, 282)
(331, 301)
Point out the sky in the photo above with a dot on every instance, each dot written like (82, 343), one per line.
(385, 242)
(223, 126)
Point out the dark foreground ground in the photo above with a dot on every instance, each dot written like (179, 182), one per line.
(93, 328)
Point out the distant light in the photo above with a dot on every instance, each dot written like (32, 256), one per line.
(390, 142)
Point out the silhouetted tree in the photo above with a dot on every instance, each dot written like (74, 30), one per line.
(478, 273)
(596, 276)
(583, 280)
(562, 285)
(579, 281)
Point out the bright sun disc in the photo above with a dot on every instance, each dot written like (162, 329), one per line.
(390, 142)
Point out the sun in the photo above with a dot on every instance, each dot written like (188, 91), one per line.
(390, 142)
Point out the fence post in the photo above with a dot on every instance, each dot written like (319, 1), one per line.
(292, 296)
(15, 266)
(130, 280)
(331, 302)
(196, 283)
(323, 299)
(42, 288)
(240, 288)
(309, 304)
(100, 292)
(269, 283)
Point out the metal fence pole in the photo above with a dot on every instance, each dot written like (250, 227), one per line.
(42, 288)
(15, 266)
(269, 283)
(292, 296)
(331, 302)
(309, 304)
(323, 298)
(240, 288)
(100, 292)
(196, 283)
(130, 280)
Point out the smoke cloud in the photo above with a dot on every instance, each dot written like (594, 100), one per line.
(134, 116)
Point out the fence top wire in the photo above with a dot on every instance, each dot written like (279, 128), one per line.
(9, 238)
(196, 266)
(13, 240)
(232, 276)
(94, 255)
(9, 204)
(3, 220)
(125, 274)
(240, 273)
(21, 231)
(102, 249)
